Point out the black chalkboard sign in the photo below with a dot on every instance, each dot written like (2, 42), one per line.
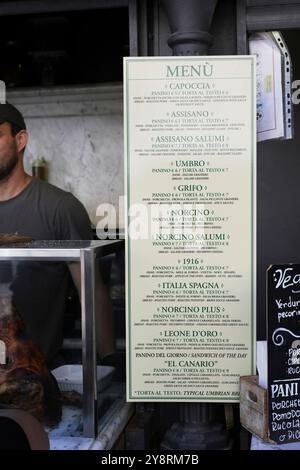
(283, 327)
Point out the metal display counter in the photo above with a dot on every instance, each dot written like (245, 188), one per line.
(86, 253)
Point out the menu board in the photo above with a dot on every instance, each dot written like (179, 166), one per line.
(283, 283)
(190, 141)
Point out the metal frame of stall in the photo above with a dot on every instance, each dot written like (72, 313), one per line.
(85, 252)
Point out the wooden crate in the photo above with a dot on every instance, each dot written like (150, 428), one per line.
(254, 407)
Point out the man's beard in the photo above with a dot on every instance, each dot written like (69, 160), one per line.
(6, 169)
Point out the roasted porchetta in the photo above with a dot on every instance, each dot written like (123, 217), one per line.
(25, 382)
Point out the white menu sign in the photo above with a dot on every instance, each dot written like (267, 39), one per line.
(190, 145)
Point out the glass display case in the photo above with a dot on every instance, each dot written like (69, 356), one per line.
(87, 253)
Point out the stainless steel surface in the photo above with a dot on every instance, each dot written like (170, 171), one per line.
(114, 423)
(88, 343)
(58, 250)
(85, 252)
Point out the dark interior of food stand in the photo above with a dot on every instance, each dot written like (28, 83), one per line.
(69, 48)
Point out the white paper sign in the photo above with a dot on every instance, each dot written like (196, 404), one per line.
(190, 145)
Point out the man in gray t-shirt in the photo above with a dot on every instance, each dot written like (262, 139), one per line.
(32, 207)
(43, 212)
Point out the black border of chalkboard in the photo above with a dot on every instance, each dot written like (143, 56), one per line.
(283, 335)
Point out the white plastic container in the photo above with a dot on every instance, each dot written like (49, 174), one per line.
(69, 377)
